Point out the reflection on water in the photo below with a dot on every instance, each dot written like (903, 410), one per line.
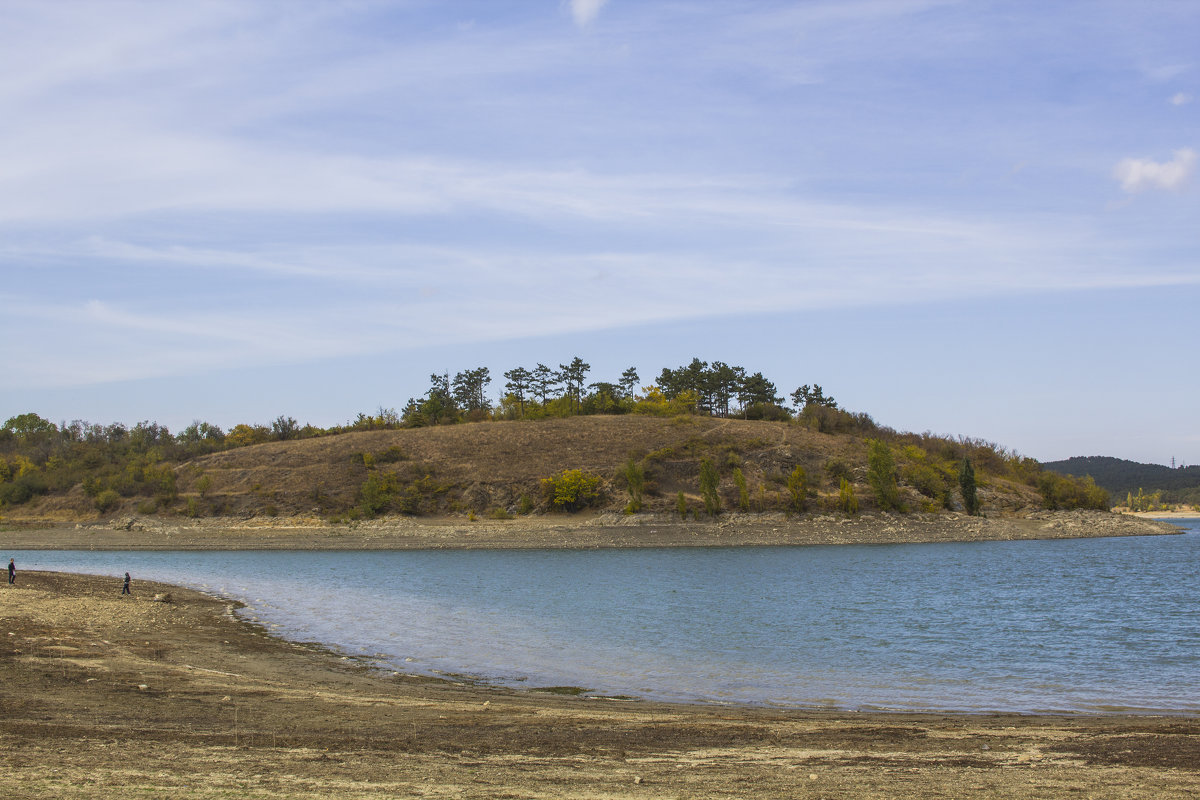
(1074, 625)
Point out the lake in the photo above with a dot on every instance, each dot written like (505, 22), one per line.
(1080, 625)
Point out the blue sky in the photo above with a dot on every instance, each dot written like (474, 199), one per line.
(975, 218)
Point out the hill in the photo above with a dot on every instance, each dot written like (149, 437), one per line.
(507, 468)
(1123, 478)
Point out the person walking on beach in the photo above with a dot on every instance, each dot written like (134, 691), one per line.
(125, 586)
(12, 572)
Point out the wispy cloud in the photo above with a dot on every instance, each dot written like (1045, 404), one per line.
(1139, 174)
(1180, 99)
(211, 180)
(584, 12)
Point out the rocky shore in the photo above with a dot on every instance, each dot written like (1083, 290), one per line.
(568, 531)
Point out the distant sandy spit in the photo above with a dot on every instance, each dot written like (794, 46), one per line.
(1163, 514)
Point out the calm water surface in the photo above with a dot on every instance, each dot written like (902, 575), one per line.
(1069, 625)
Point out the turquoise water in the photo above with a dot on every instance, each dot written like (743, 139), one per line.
(1068, 625)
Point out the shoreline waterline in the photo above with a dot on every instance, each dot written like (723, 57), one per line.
(845, 628)
(232, 606)
(180, 699)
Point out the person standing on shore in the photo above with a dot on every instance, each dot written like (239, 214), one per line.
(12, 572)
(125, 586)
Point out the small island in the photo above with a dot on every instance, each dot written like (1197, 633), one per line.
(607, 468)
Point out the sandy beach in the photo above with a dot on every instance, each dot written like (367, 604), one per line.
(104, 695)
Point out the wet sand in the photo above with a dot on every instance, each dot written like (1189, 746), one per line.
(103, 695)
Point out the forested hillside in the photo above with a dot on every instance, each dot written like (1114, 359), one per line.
(1125, 479)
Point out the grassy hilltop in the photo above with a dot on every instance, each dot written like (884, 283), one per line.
(692, 465)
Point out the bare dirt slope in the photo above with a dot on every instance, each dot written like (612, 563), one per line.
(104, 696)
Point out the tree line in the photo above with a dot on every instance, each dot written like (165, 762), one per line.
(717, 389)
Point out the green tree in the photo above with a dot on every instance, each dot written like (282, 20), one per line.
(757, 391)
(243, 435)
(635, 481)
(812, 395)
(29, 425)
(629, 383)
(518, 385)
(723, 383)
(709, 483)
(469, 389)
(797, 486)
(572, 489)
(966, 481)
(438, 406)
(847, 502)
(543, 382)
(881, 474)
(692, 378)
(284, 428)
(604, 398)
(107, 500)
(573, 376)
(377, 492)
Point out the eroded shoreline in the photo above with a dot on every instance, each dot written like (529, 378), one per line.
(561, 531)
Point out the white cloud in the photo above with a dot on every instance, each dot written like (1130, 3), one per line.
(1137, 174)
(584, 11)
(1180, 99)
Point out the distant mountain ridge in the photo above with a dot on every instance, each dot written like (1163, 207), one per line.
(1121, 477)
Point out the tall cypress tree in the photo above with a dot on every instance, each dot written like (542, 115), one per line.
(966, 481)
